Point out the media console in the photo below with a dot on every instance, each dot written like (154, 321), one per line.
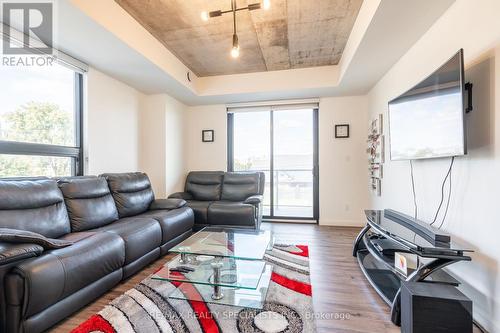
(387, 232)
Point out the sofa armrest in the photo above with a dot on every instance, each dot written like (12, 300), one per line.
(181, 195)
(254, 199)
(169, 204)
(10, 252)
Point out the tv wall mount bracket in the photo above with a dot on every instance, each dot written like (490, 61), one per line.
(468, 89)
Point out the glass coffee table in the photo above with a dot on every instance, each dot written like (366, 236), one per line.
(225, 267)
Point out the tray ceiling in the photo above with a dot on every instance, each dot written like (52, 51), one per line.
(291, 34)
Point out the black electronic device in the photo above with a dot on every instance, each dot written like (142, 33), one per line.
(437, 308)
(428, 121)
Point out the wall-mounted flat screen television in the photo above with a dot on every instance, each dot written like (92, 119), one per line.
(428, 121)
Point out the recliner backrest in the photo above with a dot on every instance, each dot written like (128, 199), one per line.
(35, 205)
(262, 182)
(204, 185)
(88, 201)
(237, 186)
(131, 191)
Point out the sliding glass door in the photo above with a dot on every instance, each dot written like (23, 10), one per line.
(282, 143)
(252, 152)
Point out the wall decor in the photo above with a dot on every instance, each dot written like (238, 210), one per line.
(341, 131)
(207, 136)
(376, 186)
(376, 154)
(376, 170)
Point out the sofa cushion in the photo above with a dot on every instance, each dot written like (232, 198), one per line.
(59, 273)
(141, 235)
(231, 213)
(33, 205)
(132, 192)
(171, 203)
(204, 185)
(239, 186)
(89, 202)
(173, 222)
(200, 210)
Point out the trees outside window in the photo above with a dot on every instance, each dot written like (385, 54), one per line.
(36, 123)
(40, 121)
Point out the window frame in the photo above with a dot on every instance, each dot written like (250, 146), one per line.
(315, 170)
(39, 149)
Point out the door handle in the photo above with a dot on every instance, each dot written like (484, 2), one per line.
(315, 171)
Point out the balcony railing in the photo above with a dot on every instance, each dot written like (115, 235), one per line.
(292, 197)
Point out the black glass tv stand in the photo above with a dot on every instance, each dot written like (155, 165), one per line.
(401, 233)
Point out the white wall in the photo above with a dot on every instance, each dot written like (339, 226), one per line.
(175, 145)
(343, 164)
(129, 131)
(473, 218)
(112, 136)
(162, 154)
(206, 155)
(152, 124)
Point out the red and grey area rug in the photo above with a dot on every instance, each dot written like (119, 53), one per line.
(146, 308)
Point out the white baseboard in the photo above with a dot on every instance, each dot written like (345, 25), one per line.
(341, 223)
(289, 221)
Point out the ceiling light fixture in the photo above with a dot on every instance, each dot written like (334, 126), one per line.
(235, 50)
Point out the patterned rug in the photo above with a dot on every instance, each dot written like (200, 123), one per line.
(146, 308)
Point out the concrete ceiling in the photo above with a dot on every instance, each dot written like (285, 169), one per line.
(291, 34)
(103, 35)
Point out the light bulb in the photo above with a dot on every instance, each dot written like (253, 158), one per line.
(266, 4)
(235, 52)
(204, 16)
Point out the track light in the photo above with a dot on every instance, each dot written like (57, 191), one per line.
(235, 51)
(254, 6)
(215, 13)
(204, 16)
(266, 4)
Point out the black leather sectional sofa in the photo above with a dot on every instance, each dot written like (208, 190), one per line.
(224, 198)
(113, 225)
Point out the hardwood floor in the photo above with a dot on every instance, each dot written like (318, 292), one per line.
(343, 300)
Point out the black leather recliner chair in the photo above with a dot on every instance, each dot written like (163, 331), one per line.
(229, 199)
(116, 228)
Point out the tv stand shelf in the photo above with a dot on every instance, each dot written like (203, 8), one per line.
(403, 234)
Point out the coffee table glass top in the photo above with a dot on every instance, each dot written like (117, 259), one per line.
(245, 244)
(235, 273)
(249, 298)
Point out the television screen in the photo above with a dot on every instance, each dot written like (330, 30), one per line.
(428, 120)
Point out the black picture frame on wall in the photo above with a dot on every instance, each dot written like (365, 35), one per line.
(207, 136)
(341, 131)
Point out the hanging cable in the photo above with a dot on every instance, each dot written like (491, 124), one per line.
(448, 174)
(413, 190)
(449, 195)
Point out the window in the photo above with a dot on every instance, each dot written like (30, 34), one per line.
(40, 121)
(280, 141)
(251, 151)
